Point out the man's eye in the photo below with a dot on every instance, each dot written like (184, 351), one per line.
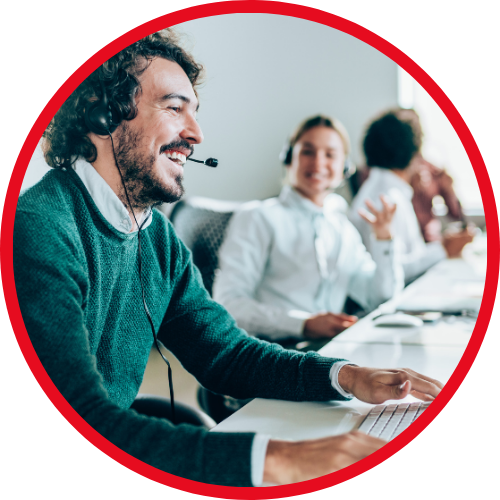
(175, 108)
(307, 152)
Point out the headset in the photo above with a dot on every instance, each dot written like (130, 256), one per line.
(98, 115)
(286, 158)
(101, 120)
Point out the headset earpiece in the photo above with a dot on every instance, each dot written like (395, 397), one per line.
(286, 154)
(98, 115)
(349, 168)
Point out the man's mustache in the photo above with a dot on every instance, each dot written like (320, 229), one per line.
(178, 145)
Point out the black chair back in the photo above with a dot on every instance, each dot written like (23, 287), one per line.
(201, 224)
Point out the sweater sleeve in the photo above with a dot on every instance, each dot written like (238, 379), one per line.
(52, 287)
(51, 284)
(224, 358)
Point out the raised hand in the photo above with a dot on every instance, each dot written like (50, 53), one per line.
(380, 220)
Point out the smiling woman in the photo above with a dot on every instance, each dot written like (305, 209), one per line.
(316, 157)
(288, 264)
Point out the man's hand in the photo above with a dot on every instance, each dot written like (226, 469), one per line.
(291, 462)
(380, 220)
(327, 325)
(454, 242)
(376, 385)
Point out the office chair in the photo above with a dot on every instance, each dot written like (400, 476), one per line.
(201, 224)
(157, 406)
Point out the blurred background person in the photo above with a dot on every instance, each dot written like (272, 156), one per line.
(396, 168)
(427, 181)
(288, 264)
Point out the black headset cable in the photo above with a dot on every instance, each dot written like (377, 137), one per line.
(158, 343)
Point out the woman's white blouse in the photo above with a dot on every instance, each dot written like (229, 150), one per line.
(285, 259)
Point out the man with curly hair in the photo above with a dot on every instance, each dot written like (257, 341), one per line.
(392, 145)
(88, 249)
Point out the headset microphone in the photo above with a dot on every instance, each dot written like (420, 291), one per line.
(209, 162)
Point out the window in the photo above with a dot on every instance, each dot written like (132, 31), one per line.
(441, 146)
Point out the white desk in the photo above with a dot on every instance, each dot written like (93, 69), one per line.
(434, 350)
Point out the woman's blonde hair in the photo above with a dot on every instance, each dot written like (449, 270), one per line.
(313, 122)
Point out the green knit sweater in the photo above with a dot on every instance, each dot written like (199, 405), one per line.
(79, 293)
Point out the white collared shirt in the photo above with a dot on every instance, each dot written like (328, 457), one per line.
(416, 256)
(106, 200)
(286, 258)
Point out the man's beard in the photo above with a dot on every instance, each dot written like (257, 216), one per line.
(144, 188)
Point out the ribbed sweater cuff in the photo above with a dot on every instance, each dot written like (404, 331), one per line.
(318, 378)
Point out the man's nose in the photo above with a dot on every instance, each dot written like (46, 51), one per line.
(192, 131)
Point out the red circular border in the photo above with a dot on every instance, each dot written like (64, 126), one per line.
(216, 9)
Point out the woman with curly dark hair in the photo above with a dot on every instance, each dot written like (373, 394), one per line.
(391, 145)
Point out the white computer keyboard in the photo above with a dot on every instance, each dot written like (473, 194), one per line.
(387, 421)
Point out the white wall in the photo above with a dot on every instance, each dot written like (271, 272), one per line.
(265, 73)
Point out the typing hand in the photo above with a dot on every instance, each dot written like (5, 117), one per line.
(291, 462)
(380, 220)
(376, 385)
(327, 325)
